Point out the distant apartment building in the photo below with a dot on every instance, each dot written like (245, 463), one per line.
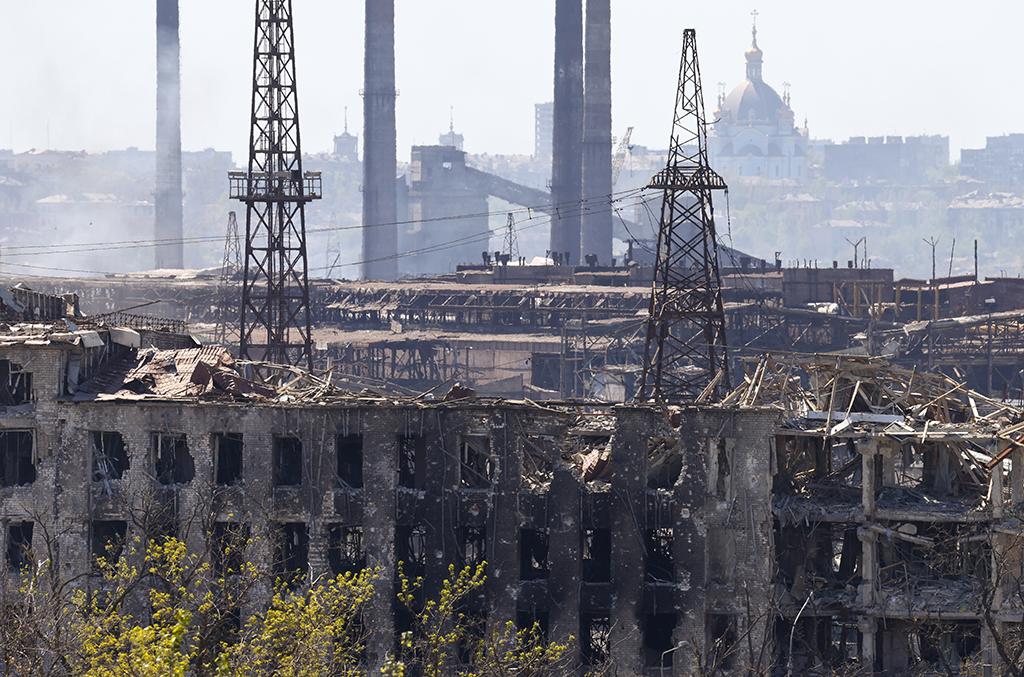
(543, 130)
(889, 159)
(999, 163)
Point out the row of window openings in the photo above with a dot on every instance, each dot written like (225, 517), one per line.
(345, 554)
(596, 555)
(174, 462)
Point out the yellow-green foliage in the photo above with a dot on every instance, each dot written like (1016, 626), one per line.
(442, 630)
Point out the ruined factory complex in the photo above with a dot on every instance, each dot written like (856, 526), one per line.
(690, 459)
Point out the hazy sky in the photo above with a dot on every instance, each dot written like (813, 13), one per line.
(85, 69)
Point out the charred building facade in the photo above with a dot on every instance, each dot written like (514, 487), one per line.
(830, 512)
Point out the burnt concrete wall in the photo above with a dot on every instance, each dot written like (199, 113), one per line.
(441, 501)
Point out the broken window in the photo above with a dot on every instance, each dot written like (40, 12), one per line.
(597, 555)
(411, 549)
(350, 460)
(474, 546)
(174, 464)
(19, 546)
(18, 464)
(664, 462)
(160, 522)
(412, 461)
(108, 540)
(719, 455)
(722, 640)
(546, 371)
(15, 384)
(660, 563)
(345, 549)
(227, 459)
(473, 626)
(533, 554)
(228, 542)
(109, 456)
(658, 647)
(287, 461)
(477, 462)
(292, 557)
(595, 645)
(535, 621)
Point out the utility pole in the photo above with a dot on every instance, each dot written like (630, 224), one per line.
(275, 286)
(933, 241)
(685, 353)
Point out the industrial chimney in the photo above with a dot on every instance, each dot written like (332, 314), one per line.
(597, 133)
(567, 133)
(168, 198)
(380, 231)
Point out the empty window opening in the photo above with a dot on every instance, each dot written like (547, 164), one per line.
(597, 555)
(535, 621)
(19, 546)
(474, 546)
(15, 384)
(227, 459)
(160, 522)
(595, 644)
(228, 544)
(411, 549)
(658, 646)
(477, 462)
(473, 631)
(292, 560)
(546, 371)
(345, 549)
(533, 554)
(350, 460)
(108, 540)
(722, 640)
(174, 464)
(944, 646)
(109, 456)
(664, 462)
(412, 461)
(287, 461)
(660, 563)
(18, 466)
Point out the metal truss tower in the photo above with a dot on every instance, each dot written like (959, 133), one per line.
(685, 353)
(226, 329)
(275, 285)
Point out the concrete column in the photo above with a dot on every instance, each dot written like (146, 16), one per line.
(380, 453)
(995, 491)
(1017, 476)
(867, 450)
(567, 135)
(867, 627)
(597, 134)
(564, 517)
(168, 195)
(380, 213)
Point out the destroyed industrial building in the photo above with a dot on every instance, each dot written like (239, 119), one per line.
(833, 510)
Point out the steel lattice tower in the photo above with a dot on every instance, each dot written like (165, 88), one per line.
(275, 285)
(685, 354)
(226, 329)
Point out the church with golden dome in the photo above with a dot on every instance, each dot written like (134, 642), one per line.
(753, 133)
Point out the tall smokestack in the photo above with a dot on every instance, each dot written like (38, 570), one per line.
(567, 138)
(168, 137)
(380, 165)
(597, 132)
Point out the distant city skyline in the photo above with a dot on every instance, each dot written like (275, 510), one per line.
(82, 76)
